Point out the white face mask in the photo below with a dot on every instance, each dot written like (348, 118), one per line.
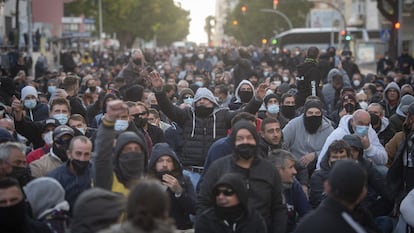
(278, 83)
(82, 130)
(121, 125)
(356, 82)
(62, 118)
(285, 79)
(30, 104)
(48, 138)
(363, 105)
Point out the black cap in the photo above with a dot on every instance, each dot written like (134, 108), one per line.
(50, 121)
(62, 130)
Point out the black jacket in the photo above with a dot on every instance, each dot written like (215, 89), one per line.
(331, 216)
(199, 133)
(308, 72)
(264, 188)
(184, 205)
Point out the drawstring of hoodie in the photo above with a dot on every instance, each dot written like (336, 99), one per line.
(31, 114)
(192, 132)
(214, 125)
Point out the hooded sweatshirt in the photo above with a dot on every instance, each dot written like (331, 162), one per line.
(375, 151)
(390, 110)
(236, 102)
(184, 205)
(329, 92)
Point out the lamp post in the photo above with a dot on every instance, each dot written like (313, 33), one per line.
(100, 24)
(279, 13)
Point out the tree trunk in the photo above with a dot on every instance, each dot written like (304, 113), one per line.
(392, 16)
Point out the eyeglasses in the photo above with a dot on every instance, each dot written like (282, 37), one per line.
(140, 114)
(226, 192)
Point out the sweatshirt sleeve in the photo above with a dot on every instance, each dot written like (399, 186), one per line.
(175, 113)
(102, 158)
(407, 208)
(376, 150)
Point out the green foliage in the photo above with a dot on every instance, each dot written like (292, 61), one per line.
(255, 25)
(131, 19)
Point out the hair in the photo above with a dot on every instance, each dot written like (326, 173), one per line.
(8, 182)
(279, 157)
(154, 112)
(338, 146)
(131, 104)
(81, 138)
(372, 88)
(377, 105)
(70, 82)
(59, 101)
(286, 95)
(77, 117)
(147, 201)
(222, 89)
(6, 149)
(312, 52)
(139, 103)
(169, 87)
(243, 116)
(268, 120)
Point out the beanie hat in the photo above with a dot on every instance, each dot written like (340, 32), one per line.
(28, 90)
(411, 109)
(43, 193)
(354, 141)
(312, 104)
(183, 93)
(244, 124)
(96, 209)
(283, 88)
(347, 180)
(203, 92)
(270, 96)
(348, 96)
(5, 136)
(405, 103)
(134, 93)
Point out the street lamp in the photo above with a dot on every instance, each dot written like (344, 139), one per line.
(279, 13)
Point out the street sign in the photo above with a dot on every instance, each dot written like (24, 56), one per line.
(385, 34)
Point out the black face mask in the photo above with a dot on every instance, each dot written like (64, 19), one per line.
(92, 89)
(131, 166)
(288, 111)
(137, 61)
(80, 167)
(349, 108)
(61, 151)
(231, 214)
(245, 96)
(375, 121)
(156, 107)
(203, 111)
(18, 172)
(161, 174)
(312, 123)
(140, 122)
(13, 217)
(245, 151)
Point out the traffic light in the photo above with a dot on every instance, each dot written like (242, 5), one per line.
(397, 25)
(264, 41)
(275, 2)
(274, 41)
(243, 9)
(348, 37)
(235, 22)
(343, 32)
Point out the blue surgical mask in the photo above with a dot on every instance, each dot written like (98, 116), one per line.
(189, 101)
(51, 89)
(273, 108)
(199, 83)
(121, 125)
(62, 118)
(30, 104)
(361, 130)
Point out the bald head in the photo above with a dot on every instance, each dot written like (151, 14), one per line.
(361, 117)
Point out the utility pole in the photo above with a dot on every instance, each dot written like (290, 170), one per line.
(29, 33)
(100, 25)
(399, 31)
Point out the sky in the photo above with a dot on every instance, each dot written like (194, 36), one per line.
(199, 10)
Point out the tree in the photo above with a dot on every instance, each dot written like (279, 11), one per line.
(131, 19)
(253, 25)
(208, 28)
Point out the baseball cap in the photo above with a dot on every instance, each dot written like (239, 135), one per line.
(50, 121)
(62, 130)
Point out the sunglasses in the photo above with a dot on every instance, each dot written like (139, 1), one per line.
(226, 192)
(138, 115)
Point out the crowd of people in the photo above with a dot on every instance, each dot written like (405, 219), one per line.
(208, 140)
